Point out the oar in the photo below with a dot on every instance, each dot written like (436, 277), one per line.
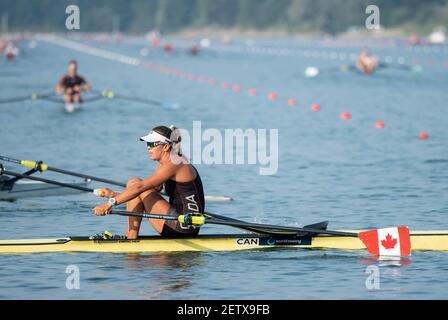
(239, 224)
(375, 241)
(159, 216)
(370, 238)
(404, 67)
(43, 167)
(321, 226)
(57, 183)
(33, 96)
(108, 94)
(311, 72)
(191, 219)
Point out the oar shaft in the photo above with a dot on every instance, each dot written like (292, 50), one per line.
(200, 220)
(394, 66)
(112, 95)
(144, 215)
(44, 167)
(86, 176)
(57, 183)
(33, 96)
(188, 219)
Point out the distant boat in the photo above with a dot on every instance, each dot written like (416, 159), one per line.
(438, 36)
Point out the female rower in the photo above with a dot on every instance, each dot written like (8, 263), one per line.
(180, 179)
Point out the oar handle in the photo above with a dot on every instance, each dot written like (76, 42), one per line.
(188, 218)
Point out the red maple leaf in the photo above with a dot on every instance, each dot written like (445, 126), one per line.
(389, 243)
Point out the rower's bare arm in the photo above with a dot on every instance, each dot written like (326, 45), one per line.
(87, 87)
(162, 174)
(107, 193)
(59, 88)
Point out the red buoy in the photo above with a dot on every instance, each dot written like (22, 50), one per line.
(345, 115)
(155, 43)
(252, 92)
(315, 107)
(292, 102)
(379, 125)
(272, 96)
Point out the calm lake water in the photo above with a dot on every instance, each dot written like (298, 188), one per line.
(347, 172)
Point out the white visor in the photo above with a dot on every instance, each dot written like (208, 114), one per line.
(153, 136)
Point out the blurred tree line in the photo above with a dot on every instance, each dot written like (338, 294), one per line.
(330, 16)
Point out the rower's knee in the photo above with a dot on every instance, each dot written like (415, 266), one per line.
(147, 193)
(133, 181)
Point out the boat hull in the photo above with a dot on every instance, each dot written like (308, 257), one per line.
(420, 240)
(72, 107)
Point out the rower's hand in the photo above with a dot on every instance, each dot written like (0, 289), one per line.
(103, 209)
(105, 193)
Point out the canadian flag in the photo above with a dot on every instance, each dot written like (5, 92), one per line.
(387, 242)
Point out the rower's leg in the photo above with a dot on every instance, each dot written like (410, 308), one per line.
(76, 98)
(134, 205)
(155, 203)
(150, 201)
(68, 95)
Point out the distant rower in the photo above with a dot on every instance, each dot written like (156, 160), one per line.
(366, 62)
(11, 52)
(72, 84)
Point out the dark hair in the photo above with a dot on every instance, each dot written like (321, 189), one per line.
(73, 62)
(164, 131)
(171, 133)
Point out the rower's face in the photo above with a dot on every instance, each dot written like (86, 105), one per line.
(156, 153)
(72, 69)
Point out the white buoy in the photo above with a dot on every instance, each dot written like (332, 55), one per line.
(205, 43)
(311, 72)
(437, 37)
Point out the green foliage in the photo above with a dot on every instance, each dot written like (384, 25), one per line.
(329, 16)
